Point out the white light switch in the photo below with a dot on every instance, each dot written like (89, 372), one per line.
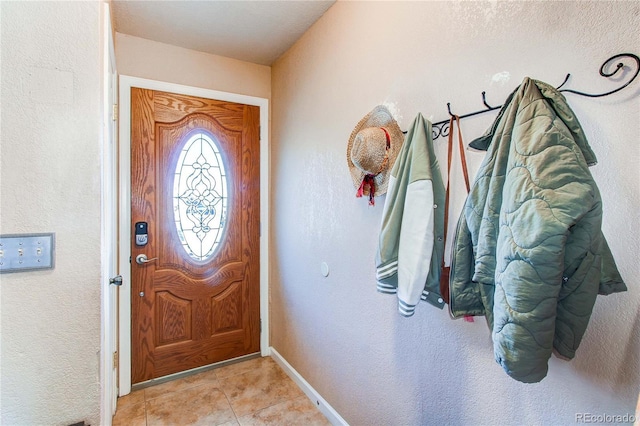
(27, 252)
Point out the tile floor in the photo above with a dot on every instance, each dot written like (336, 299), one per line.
(249, 393)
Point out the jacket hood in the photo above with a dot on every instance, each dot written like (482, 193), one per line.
(557, 102)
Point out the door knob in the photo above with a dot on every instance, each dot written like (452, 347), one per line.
(141, 259)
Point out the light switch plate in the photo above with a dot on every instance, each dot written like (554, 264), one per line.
(26, 252)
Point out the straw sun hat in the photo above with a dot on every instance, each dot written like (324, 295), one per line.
(373, 147)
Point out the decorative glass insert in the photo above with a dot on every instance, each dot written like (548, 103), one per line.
(200, 197)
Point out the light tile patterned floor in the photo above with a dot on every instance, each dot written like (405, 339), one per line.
(249, 393)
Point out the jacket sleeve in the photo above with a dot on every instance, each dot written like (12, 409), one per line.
(548, 189)
(610, 280)
(580, 280)
(406, 244)
(416, 245)
(389, 239)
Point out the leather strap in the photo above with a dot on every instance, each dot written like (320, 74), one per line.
(463, 160)
(445, 270)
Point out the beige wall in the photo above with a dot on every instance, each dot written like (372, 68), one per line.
(138, 57)
(372, 365)
(347, 340)
(50, 177)
(50, 154)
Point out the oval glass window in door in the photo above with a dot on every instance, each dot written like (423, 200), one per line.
(200, 196)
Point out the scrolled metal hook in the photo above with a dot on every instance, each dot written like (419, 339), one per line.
(603, 73)
(444, 129)
(436, 131)
(618, 65)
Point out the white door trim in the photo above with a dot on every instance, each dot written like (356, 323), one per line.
(108, 256)
(126, 83)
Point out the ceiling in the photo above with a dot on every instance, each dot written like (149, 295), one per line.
(252, 31)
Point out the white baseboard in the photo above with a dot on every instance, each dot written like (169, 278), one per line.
(324, 407)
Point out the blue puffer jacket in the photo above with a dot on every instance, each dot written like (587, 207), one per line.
(529, 252)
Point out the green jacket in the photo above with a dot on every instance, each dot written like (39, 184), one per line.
(411, 245)
(529, 253)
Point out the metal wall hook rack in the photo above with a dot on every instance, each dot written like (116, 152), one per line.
(441, 128)
(484, 101)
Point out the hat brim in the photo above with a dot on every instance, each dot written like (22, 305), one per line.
(378, 117)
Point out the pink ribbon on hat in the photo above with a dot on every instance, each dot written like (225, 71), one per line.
(369, 179)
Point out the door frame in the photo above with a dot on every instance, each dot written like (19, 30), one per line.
(126, 83)
(109, 236)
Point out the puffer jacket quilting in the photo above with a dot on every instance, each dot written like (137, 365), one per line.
(529, 253)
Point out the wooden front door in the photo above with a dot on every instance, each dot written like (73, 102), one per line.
(195, 170)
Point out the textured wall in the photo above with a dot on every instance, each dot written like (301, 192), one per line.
(50, 174)
(374, 366)
(139, 57)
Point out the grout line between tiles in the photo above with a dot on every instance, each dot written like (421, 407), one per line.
(146, 421)
(235, 415)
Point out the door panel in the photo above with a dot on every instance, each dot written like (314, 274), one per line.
(186, 312)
